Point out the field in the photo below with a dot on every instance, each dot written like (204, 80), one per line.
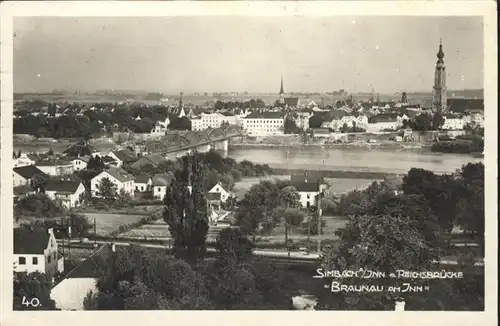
(241, 187)
(337, 186)
(107, 223)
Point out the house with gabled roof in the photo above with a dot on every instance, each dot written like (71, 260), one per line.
(123, 157)
(217, 195)
(118, 176)
(309, 185)
(69, 192)
(36, 251)
(22, 175)
(154, 160)
(160, 184)
(55, 167)
(23, 160)
(71, 291)
(81, 162)
(143, 182)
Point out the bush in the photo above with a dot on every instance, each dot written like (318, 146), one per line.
(38, 205)
(312, 226)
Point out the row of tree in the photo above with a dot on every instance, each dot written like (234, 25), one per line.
(387, 232)
(456, 199)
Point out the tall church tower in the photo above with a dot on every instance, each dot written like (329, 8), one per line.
(282, 93)
(439, 100)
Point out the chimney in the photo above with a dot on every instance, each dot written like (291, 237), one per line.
(399, 305)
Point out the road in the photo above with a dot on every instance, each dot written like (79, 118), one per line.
(295, 256)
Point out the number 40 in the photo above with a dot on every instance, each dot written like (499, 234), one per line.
(33, 302)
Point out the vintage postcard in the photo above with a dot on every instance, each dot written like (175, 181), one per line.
(332, 157)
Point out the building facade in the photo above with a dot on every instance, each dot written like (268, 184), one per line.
(264, 123)
(119, 177)
(36, 251)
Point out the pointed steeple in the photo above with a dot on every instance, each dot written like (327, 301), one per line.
(282, 90)
(281, 100)
(440, 54)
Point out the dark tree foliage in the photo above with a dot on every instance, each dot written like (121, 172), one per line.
(180, 123)
(32, 286)
(39, 206)
(232, 243)
(315, 121)
(135, 279)
(186, 211)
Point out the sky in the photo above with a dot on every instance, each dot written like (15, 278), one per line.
(235, 54)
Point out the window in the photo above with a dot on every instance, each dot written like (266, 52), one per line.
(35, 260)
(49, 258)
(22, 260)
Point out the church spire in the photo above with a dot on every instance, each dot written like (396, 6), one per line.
(440, 54)
(282, 92)
(439, 91)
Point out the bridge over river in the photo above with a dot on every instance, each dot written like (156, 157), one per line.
(180, 143)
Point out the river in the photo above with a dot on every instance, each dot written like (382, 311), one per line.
(316, 158)
(355, 159)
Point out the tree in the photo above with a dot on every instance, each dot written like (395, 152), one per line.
(232, 243)
(256, 209)
(423, 122)
(344, 128)
(52, 109)
(288, 196)
(107, 189)
(437, 120)
(135, 279)
(470, 215)
(380, 242)
(39, 182)
(30, 286)
(180, 124)
(186, 211)
(315, 121)
(80, 226)
(290, 127)
(39, 206)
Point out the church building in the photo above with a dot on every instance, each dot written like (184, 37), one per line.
(286, 102)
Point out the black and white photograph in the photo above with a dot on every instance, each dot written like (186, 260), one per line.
(232, 162)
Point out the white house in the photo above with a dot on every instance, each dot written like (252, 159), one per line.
(196, 123)
(36, 251)
(308, 192)
(55, 167)
(453, 122)
(219, 189)
(23, 160)
(119, 177)
(160, 184)
(70, 193)
(80, 163)
(142, 182)
(309, 186)
(384, 122)
(22, 175)
(264, 123)
(70, 292)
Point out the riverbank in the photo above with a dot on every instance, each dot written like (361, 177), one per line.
(390, 145)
